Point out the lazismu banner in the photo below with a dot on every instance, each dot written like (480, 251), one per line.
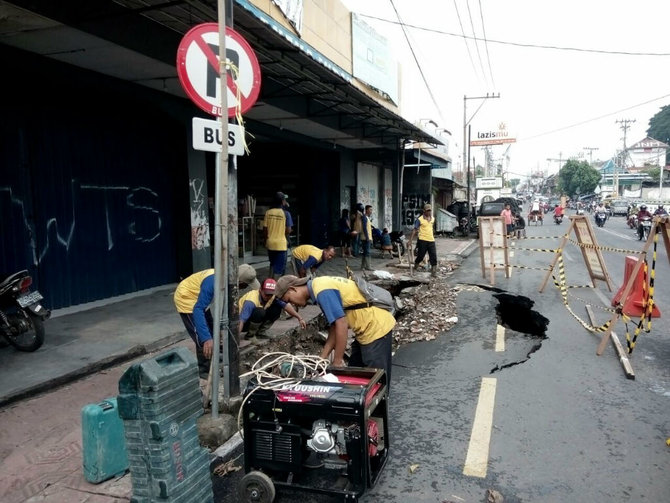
(492, 137)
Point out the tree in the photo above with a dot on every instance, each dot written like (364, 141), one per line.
(577, 177)
(659, 128)
(653, 171)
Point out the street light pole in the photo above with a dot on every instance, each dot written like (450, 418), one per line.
(466, 140)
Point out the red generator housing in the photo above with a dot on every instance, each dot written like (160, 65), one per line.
(318, 436)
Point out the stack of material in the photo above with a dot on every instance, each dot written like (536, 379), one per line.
(159, 403)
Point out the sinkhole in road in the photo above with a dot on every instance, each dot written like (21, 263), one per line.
(515, 313)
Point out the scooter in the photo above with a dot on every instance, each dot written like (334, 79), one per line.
(644, 228)
(601, 216)
(632, 221)
(21, 314)
(558, 219)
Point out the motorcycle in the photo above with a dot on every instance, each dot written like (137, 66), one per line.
(632, 221)
(558, 219)
(21, 314)
(644, 228)
(601, 216)
(464, 226)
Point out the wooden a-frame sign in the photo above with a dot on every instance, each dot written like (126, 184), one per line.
(590, 251)
(659, 225)
(493, 250)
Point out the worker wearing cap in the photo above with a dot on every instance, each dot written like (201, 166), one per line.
(192, 299)
(277, 225)
(259, 309)
(425, 240)
(310, 258)
(372, 326)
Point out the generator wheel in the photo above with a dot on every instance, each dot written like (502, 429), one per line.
(256, 487)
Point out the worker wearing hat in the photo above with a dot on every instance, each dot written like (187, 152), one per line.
(192, 299)
(423, 226)
(260, 308)
(342, 303)
(277, 225)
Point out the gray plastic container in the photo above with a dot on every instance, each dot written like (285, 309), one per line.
(159, 401)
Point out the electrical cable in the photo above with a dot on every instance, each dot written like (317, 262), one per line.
(519, 44)
(465, 39)
(264, 370)
(476, 39)
(486, 44)
(425, 81)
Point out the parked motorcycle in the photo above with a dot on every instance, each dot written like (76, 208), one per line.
(600, 217)
(21, 314)
(644, 228)
(464, 226)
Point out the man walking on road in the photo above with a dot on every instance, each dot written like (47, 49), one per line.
(425, 241)
(344, 306)
(277, 225)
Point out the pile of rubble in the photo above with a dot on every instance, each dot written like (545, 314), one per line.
(428, 309)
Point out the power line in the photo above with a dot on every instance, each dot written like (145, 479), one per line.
(465, 39)
(486, 45)
(474, 35)
(519, 44)
(425, 81)
(593, 119)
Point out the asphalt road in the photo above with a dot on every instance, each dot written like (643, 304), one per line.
(536, 418)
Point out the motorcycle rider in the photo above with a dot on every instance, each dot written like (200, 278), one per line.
(600, 210)
(643, 213)
(660, 211)
(558, 212)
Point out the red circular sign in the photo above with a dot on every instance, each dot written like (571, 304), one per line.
(198, 69)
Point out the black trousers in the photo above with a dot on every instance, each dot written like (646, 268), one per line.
(425, 246)
(377, 354)
(260, 315)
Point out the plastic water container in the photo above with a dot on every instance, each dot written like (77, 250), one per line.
(104, 451)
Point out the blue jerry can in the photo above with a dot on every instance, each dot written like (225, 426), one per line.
(104, 448)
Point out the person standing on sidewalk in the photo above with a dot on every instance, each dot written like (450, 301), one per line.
(357, 229)
(366, 239)
(425, 240)
(506, 213)
(259, 309)
(344, 228)
(192, 299)
(277, 225)
(344, 306)
(310, 258)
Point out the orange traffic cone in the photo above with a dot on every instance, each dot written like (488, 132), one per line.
(636, 302)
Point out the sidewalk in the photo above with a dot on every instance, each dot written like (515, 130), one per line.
(40, 442)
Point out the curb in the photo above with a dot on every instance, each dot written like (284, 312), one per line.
(91, 368)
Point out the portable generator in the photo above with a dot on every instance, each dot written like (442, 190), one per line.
(329, 437)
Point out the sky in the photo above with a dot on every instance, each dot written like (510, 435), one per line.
(566, 72)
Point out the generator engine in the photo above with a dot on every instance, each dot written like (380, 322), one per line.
(322, 436)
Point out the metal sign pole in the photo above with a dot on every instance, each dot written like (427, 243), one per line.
(220, 222)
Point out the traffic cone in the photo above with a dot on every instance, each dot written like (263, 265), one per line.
(636, 302)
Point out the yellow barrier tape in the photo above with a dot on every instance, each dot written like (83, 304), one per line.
(605, 248)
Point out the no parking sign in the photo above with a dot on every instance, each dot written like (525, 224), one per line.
(198, 69)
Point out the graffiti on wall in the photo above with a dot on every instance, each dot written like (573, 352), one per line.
(412, 207)
(199, 214)
(140, 203)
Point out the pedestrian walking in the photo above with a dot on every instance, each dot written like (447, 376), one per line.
(344, 230)
(366, 239)
(423, 229)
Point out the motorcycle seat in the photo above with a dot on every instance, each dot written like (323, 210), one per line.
(12, 277)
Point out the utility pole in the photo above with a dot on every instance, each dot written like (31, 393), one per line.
(466, 139)
(590, 149)
(625, 126)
